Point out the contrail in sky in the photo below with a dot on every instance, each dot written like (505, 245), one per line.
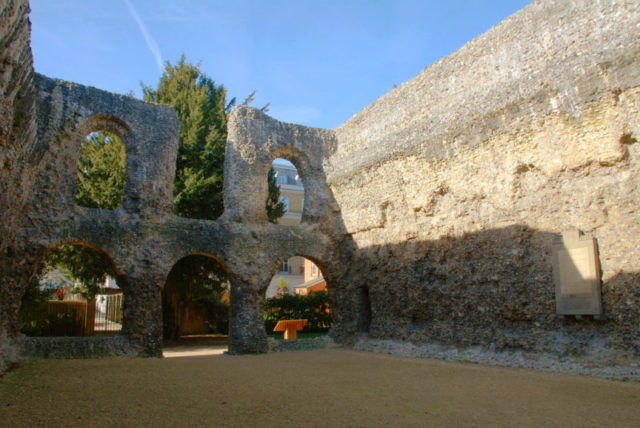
(151, 43)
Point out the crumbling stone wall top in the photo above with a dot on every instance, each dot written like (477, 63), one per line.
(551, 56)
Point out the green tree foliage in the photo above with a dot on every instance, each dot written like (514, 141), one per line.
(101, 171)
(89, 267)
(313, 307)
(33, 305)
(250, 98)
(275, 208)
(202, 111)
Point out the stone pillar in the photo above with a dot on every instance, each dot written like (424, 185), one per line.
(142, 323)
(350, 306)
(246, 324)
(344, 308)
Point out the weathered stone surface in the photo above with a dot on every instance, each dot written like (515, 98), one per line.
(454, 185)
(17, 135)
(432, 213)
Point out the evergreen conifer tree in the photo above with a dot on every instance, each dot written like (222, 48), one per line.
(202, 112)
(275, 208)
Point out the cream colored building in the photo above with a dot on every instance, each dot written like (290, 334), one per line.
(291, 193)
(313, 279)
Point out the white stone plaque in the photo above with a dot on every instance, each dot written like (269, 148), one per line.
(576, 273)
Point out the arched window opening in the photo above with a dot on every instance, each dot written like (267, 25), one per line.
(285, 201)
(295, 295)
(73, 293)
(101, 171)
(195, 306)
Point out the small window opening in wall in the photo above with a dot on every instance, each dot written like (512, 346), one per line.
(299, 301)
(285, 201)
(73, 293)
(101, 171)
(285, 266)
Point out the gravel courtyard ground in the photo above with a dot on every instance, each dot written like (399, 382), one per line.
(334, 387)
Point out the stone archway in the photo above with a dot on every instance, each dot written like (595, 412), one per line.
(196, 298)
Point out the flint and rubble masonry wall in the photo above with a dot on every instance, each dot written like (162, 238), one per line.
(453, 185)
(17, 135)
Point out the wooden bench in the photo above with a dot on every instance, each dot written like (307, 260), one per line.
(290, 328)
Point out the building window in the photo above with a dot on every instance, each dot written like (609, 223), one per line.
(285, 202)
(314, 270)
(285, 266)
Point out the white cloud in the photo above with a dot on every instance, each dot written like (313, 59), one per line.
(151, 43)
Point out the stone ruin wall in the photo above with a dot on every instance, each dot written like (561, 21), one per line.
(454, 185)
(141, 237)
(17, 135)
(431, 212)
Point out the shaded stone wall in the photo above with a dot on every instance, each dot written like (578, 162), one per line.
(454, 185)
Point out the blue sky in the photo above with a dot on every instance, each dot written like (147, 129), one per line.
(317, 62)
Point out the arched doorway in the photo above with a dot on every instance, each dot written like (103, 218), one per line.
(195, 306)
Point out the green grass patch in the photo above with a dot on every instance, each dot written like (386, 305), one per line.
(301, 335)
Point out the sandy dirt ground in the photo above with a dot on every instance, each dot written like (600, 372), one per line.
(325, 388)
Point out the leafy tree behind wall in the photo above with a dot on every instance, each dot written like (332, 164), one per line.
(202, 108)
(101, 171)
(202, 111)
(86, 265)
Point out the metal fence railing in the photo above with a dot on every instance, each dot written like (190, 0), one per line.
(108, 314)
